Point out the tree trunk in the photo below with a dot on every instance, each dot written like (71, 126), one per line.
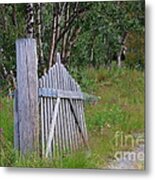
(119, 62)
(64, 41)
(123, 41)
(54, 36)
(14, 17)
(29, 20)
(39, 34)
(67, 29)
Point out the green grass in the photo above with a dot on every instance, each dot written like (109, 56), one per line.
(120, 108)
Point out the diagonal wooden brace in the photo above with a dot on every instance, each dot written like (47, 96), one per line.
(77, 122)
(52, 126)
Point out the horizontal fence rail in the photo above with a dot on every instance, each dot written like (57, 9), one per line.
(49, 92)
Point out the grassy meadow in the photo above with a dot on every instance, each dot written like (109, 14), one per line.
(120, 108)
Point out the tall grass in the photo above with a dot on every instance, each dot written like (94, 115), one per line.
(120, 108)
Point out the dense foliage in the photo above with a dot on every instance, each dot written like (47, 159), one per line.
(86, 33)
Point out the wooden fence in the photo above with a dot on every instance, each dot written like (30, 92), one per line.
(49, 113)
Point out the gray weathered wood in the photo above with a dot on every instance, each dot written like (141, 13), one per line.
(56, 144)
(48, 108)
(52, 126)
(60, 114)
(79, 110)
(58, 59)
(62, 110)
(78, 124)
(27, 86)
(42, 121)
(51, 113)
(49, 92)
(76, 134)
(45, 112)
(68, 84)
(69, 130)
(77, 118)
(62, 124)
(66, 109)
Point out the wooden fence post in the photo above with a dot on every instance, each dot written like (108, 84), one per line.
(26, 109)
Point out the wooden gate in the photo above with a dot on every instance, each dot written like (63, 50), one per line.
(63, 127)
(49, 111)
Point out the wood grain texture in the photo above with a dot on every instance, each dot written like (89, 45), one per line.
(27, 86)
(51, 106)
(52, 126)
(68, 127)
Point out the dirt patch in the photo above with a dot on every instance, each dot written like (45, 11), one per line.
(133, 159)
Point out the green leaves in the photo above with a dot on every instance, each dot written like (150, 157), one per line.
(102, 23)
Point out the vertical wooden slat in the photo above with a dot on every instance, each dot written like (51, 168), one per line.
(51, 113)
(78, 136)
(74, 128)
(56, 145)
(42, 120)
(62, 124)
(45, 112)
(58, 119)
(59, 115)
(67, 110)
(48, 108)
(80, 110)
(27, 86)
(78, 104)
(80, 118)
(77, 123)
(83, 121)
(62, 110)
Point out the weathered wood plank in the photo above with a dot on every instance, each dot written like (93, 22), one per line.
(74, 127)
(79, 112)
(27, 85)
(76, 119)
(45, 112)
(57, 79)
(52, 127)
(42, 120)
(70, 130)
(51, 113)
(62, 116)
(79, 108)
(49, 92)
(78, 104)
(67, 110)
(48, 107)
(56, 145)
(77, 133)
